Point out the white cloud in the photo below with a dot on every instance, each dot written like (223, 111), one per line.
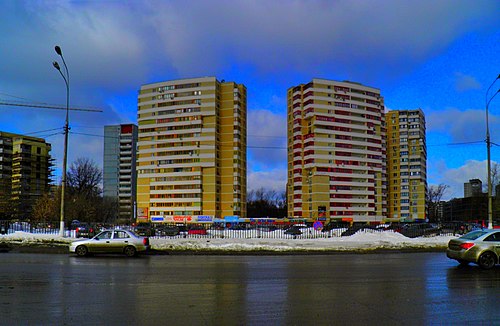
(456, 177)
(463, 126)
(268, 180)
(466, 83)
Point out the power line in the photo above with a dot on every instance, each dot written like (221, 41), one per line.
(277, 147)
(456, 144)
(264, 136)
(42, 131)
(45, 106)
(266, 147)
(92, 135)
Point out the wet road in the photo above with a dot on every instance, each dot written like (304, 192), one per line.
(388, 289)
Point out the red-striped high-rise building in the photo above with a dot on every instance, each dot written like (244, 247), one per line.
(336, 152)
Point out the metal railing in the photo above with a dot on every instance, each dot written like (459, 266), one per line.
(251, 231)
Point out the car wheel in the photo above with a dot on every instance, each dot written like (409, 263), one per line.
(130, 251)
(82, 251)
(487, 260)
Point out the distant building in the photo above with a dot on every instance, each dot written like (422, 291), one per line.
(336, 152)
(120, 177)
(25, 173)
(192, 150)
(473, 188)
(470, 209)
(406, 165)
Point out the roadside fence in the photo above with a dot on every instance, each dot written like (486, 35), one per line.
(248, 231)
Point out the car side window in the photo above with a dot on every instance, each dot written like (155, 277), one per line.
(121, 235)
(493, 237)
(105, 235)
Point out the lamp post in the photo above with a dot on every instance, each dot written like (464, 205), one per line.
(66, 131)
(488, 154)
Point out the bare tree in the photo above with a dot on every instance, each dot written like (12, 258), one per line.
(46, 208)
(84, 177)
(84, 200)
(266, 203)
(495, 175)
(434, 196)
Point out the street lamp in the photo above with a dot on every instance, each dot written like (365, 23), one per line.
(66, 130)
(488, 153)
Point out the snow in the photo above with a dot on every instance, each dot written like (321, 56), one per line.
(361, 241)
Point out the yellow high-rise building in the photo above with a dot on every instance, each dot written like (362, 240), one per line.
(407, 165)
(336, 152)
(191, 159)
(25, 173)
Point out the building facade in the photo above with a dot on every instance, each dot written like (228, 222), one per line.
(191, 159)
(26, 174)
(473, 188)
(407, 165)
(336, 152)
(120, 176)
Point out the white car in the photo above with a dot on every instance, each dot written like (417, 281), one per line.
(111, 241)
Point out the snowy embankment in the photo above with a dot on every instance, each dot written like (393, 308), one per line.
(361, 241)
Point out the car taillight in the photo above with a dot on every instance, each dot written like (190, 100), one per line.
(466, 245)
(145, 241)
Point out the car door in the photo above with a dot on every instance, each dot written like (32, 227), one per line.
(494, 241)
(101, 242)
(120, 241)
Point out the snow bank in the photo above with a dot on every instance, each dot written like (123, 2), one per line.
(357, 242)
(361, 241)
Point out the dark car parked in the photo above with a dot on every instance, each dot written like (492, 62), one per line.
(266, 228)
(419, 230)
(293, 230)
(85, 231)
(355, 228)
(166, 230)
(334, 225)
(145, 230)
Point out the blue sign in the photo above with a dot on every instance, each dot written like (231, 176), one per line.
(231, 218)
(204, 218)
(157, 219)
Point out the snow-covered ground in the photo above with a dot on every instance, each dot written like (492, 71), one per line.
(361, 241)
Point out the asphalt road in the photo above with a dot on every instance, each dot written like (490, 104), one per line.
(339, 289)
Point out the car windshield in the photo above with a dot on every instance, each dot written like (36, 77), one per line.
(473, 235)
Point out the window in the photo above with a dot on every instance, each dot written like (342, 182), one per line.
(105, 235)
(494, 237)
(121, 235)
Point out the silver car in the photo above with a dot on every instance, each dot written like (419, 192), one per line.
(111, 241)
(481, 247)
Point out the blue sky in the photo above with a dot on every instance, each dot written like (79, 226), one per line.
(440, 56)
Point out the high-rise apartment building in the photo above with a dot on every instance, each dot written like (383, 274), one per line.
(25, 171)
(119, 178)
(191, 151)
(407, 165)
(336, 152)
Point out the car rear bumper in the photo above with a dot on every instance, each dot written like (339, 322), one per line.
(465, 255)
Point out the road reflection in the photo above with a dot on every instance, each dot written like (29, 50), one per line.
(389, 289)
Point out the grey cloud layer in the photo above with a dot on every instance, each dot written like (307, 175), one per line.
(117, 46)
